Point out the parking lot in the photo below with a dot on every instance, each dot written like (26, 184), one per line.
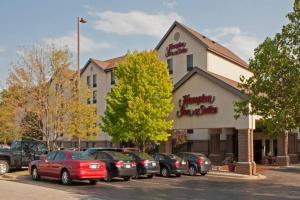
(281, 183)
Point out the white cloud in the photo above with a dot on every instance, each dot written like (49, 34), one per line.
(70, 40)
(2, 50)
(243, 44)
(135, 22)
(169, 3)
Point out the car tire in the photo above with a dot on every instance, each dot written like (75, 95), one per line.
(108, 176)
(93, 182)
(192, 171)
(178, 175)
(127, 178)
(65, 177)
(35, 174)
(165, 172)
(203, 173)
(4, 167)
(150, 175)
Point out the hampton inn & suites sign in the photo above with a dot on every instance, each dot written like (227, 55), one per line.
(176, 49)
(202, 105)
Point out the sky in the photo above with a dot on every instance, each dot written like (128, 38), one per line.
(116, 26)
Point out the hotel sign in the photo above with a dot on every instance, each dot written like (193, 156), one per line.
(176, 49)
(201, 107)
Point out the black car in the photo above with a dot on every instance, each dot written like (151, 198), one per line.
(197, 163)
(145, 164)
(117, 164)
(171, 164)
(96, 149)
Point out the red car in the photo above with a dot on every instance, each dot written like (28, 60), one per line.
(67, 166)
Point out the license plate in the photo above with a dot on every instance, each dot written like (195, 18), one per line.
(154, 164)
(94, 166)
(127, 166)
(183, 162)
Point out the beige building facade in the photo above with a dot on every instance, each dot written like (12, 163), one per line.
(205, 76)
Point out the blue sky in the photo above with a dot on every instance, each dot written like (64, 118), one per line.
(116, 26)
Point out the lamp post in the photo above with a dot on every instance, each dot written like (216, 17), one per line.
(79, 20)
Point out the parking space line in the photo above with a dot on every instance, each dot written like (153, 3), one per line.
(155, 183)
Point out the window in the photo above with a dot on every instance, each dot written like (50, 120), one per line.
(112, 78)
(88, 101)
(94, 80)
(190, 131)
(170, 65)
(51, 155)
(88, 81)
(189, 60)
(60, 156)
(94, 96)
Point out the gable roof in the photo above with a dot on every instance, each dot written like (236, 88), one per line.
(105, 65)
(210, 45)
(223, 82)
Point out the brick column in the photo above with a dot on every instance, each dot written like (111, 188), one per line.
(214, 146)
(282, 158)
(292, 148)
(245, 164)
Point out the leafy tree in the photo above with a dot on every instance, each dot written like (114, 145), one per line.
(82, 116)
(274, 88)
(139, 104)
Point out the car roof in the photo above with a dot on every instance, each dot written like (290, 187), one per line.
(193, 153)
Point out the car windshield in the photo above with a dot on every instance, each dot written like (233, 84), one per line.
(144, 156)
(119, 156)
(81, 156)
(174, 157)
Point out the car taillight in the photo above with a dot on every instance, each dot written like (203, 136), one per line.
(119, 164)
(144, 162)
(200, 161)
(133, 164)
(84, 165)
(176, 164)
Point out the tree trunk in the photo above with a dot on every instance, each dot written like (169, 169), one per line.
(143, 146)
(79, 144)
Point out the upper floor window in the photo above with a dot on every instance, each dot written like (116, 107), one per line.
(88, 81)
(170, 65)
(94, 96)
(94, 80)
(112, 78)
(189, 62)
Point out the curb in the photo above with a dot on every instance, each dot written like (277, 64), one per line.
(236, 176)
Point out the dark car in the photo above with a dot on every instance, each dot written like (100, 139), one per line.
(197, 163)
(170, 164)
(145, 164)
(117, 164)
(97, 149)
(67, 166)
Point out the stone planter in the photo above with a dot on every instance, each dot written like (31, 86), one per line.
(231, 167)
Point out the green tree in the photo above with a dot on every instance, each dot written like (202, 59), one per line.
(138, 106)
(274, 88)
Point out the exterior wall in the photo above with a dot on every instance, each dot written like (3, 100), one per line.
(102, 89)
(224, 118)
(221, 66)
(180, 61)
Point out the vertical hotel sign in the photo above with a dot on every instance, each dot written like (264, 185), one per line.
(203, 105)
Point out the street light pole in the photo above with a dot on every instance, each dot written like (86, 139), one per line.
(79, 20)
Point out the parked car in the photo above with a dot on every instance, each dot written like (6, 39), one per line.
(21, 154)
(67, 166)
(197, 163)
(170, 164)
(97, 149)
(117, 164)
(145, 164)
(4, 147)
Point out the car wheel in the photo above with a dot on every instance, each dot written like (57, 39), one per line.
(108, 176)
(93, 182)
(65, 178)
(34, 174)
(127, 178)
(178, 175)
(203, 174)
(4, 167)
(192, 171)
(165, 172)
(150, 176)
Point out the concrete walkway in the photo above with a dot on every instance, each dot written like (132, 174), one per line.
(16, 191)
